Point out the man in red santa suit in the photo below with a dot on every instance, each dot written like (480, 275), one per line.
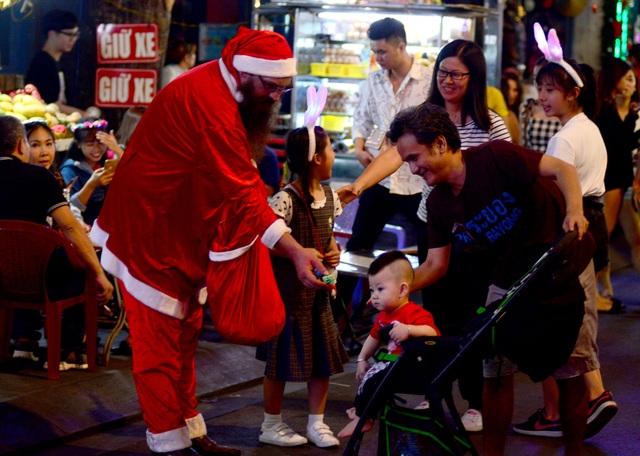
(187, 169)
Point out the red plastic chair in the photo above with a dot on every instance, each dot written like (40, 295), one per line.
(25, 251)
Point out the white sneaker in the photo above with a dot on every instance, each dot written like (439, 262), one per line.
(472, 420)
(22, 354)
(321, 436)
(65, 366)
(281, 435)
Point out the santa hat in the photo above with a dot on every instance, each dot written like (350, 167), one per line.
(258, 52)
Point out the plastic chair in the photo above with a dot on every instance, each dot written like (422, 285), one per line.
(25, 251)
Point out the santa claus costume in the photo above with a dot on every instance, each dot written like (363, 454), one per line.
(187, 169)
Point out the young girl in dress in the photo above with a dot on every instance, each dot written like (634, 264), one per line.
(86, 161)
(309, 349)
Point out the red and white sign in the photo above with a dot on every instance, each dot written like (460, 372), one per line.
(127, 43)
(124, 88)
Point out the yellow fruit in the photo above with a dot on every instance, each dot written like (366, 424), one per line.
(17, 116)
(1, 112)
(6, 106)
(51, 119)
(30, 99)
(33, 110)
(52, 108)
(74, 117)
(18, 107)
(5, 97)
(17, 98)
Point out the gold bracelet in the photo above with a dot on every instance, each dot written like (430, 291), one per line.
(408, 330)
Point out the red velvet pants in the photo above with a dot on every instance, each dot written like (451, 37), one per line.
(164, 372)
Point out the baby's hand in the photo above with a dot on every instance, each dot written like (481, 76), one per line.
(399, 333)
(363, 367)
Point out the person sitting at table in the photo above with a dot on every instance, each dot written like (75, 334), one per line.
(86, 161)
(31, 193)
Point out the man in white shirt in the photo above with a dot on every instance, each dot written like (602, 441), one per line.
(399, 84)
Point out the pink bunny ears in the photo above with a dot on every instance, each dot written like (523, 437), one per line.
(315, 105)
(552, 51)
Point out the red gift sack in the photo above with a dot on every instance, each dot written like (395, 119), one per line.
(246, 306)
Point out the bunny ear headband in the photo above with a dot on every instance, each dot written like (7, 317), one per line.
(315, 105)
(552, 51)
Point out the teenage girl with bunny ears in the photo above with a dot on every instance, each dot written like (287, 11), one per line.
(309, 348)
(566, 90)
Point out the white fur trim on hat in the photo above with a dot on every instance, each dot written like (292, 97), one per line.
(282, 68)
(231, 82)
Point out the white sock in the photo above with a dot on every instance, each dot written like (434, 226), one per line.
(313, 419)
(270, 421)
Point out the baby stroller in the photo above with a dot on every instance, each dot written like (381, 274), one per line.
(545, 306)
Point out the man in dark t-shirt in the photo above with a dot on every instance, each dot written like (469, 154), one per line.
(499, 197)
(61, 31)
(28, 192)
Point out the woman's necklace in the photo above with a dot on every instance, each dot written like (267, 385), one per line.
(456, 117)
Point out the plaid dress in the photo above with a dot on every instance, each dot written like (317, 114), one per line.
(310, 344)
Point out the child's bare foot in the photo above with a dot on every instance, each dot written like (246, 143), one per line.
(347, 431)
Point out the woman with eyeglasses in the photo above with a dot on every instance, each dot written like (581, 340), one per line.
(459, 85)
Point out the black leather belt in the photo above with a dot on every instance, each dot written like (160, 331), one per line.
(591, 202)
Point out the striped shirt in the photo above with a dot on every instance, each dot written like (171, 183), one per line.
(470, 136)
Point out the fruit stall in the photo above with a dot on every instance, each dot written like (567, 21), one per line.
(27, 105)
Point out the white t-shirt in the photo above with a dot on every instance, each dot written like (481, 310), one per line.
(580, 144)
(169, 73)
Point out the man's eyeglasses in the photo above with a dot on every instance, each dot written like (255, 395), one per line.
(70, 34)
(274, 88)
(455, 75)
